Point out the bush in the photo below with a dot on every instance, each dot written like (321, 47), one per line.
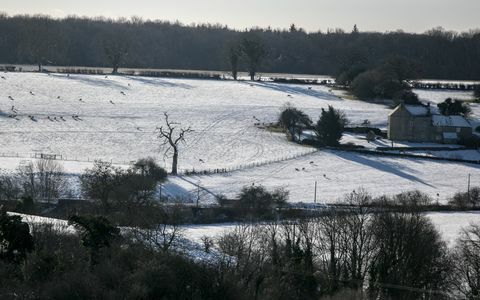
(363, 86)
(451, 107)
(466, 200)
(258, 201)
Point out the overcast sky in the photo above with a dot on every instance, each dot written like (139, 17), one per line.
(378, 15)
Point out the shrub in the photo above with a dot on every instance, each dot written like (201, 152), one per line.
(294, 120)
(466, 200)
(258, 201)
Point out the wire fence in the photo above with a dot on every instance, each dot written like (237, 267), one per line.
(208, 171)
(185, 171)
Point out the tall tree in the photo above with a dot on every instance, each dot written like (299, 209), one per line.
(233, 56)
(116, 49)
(330, 126)
(172, 137)
(254, 52)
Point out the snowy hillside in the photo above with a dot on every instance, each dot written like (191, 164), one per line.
(118, 115)
(338, 173)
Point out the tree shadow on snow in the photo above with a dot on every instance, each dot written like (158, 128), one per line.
(159, 82)
(381, 165)
(92, 80)
(297, 90)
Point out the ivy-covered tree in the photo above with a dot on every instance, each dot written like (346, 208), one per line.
(95, 232)
(452, 107)
(15, 238)
(294, 120)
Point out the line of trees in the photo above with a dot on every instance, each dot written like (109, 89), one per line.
(354, 253)
(351, 253)
(75, 41)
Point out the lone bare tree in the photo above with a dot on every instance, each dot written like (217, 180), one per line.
(254, 51)
(116, 50)
(171, 138)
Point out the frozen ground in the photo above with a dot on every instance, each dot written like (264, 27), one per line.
(118, 116)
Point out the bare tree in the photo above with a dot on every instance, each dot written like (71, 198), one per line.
(254, 52)
(171, 137)
(116, 50)
(164, 229)
(233, 56)
(467, 262)
(44, 179)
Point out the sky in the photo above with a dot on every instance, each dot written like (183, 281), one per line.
(312, 15)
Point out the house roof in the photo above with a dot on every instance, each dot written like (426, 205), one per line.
(417, 110)
(450, 121)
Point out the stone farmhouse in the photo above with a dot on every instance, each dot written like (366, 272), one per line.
(419, 123)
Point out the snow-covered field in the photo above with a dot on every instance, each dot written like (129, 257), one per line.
(448, 224)
(118, 117)
(338, 173)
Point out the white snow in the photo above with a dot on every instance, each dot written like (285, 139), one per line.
(338, 173)
(122, 127)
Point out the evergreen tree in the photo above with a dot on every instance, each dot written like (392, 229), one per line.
(330, 126)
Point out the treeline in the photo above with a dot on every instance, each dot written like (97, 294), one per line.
(355, 253)
(75, 41)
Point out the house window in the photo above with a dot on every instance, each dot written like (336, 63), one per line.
(458, 129)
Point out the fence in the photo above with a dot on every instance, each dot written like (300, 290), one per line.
(209, 171)
(186, 172)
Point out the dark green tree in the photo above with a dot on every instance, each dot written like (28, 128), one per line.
(330, 126)
(257, 200)
(15, 238)
(452, 107)
(95, 233)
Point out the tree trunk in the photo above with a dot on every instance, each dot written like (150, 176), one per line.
(252, 75)
(115, 69)
(39, 67)
(175, 162)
